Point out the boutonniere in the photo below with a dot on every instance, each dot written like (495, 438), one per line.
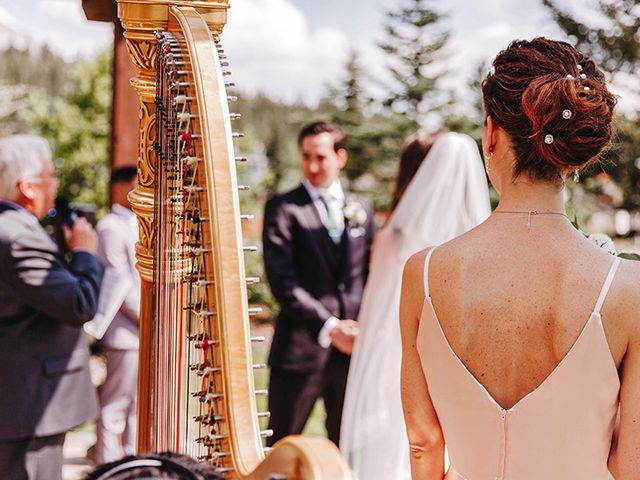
(355, 216)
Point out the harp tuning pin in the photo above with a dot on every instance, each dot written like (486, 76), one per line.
(262, 392)
(247, 217)
(259, 366)
(264, 414)
(241, 159)
(232, 98)
(252, 280)
(266, 433)
(235, 116)
(229, 84)
(237, 134)
(255, 310)
(243, 188)
(224, 64)
(226, 73)
(250, 248)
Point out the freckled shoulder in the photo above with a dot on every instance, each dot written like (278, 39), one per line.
(627, 293)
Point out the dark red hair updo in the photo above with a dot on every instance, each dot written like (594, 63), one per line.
(545, 89)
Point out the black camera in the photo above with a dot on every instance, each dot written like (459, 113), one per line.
(66, 213)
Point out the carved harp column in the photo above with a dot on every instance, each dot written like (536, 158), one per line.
(196, 390)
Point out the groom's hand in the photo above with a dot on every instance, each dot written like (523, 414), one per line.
(344, 334)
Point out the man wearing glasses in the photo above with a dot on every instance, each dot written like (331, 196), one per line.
(46, 388)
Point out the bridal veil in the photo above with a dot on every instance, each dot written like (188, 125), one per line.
(447, 196)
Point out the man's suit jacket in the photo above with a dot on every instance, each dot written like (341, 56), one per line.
(46, 388)
(117, 235)
(311, 277)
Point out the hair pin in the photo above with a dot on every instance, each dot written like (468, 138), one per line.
(567, 114)
(586, 89)
(548, 139)
(570, 77)
(579, 67)
(583, 76)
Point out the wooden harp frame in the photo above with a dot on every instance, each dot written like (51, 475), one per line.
(198, 23)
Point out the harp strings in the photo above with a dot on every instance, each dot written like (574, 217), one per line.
(188, 394)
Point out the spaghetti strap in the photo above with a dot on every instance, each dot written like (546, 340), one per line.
(607, 284)
(426, 272)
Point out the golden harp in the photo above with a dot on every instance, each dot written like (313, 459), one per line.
(196, 384)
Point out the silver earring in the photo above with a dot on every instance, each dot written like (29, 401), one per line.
(488, 156)
(576, 175)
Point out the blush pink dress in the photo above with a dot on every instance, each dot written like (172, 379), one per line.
(561, 430)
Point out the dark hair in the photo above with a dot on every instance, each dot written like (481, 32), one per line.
(165, 466)
(547, 89)
(123, 174)
(414, 150)
(316, 128)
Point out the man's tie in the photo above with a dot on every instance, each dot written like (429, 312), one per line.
(334, 212)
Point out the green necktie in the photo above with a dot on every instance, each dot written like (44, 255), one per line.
(332, 221)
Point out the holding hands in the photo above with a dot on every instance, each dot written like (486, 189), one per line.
(344, 334)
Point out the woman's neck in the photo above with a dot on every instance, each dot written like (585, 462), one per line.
(526, 195)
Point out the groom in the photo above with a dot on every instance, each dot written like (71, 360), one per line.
(317, 242)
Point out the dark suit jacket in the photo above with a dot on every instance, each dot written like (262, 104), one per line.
(44, 357)
(310, 277)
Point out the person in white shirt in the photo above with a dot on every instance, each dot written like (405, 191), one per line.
(118, 234)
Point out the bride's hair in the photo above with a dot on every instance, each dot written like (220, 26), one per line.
(414, 150)
(554, 103)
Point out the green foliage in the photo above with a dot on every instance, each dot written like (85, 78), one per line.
(615, 45)
(413, 42)
(78, 125)
(271, 129)
(43, 70)
(471, 120)
(69, 105)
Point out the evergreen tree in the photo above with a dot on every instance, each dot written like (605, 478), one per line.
(470, 120)
(414, 40)
(614, 44)
(373, 139)
(347, 99)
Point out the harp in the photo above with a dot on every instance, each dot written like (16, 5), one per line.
(196, 385)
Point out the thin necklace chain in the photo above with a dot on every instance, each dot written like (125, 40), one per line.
(529, 213)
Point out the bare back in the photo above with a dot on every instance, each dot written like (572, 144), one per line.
(512, 300)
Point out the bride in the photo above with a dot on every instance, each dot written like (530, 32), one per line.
(447, 195)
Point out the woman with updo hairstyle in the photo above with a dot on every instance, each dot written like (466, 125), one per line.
(521, 338)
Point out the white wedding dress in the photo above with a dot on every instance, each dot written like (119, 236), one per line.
(447, 196)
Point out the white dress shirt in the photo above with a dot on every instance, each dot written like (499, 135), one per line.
(336, 191)
(117, 237)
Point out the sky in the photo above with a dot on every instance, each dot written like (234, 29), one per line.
(294, 49)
